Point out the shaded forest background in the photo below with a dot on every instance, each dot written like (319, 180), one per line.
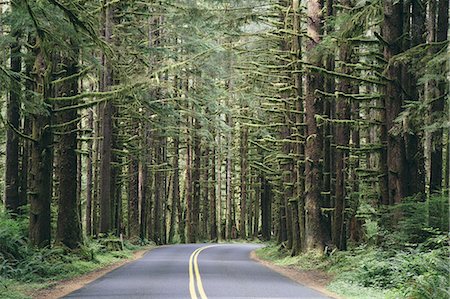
(319, 125)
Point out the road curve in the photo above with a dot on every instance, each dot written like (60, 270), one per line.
(195, 271)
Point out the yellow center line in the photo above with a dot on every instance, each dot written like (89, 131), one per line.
(193, 267)
(191, 276)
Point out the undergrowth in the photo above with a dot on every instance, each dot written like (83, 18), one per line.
(24, 268)
(409, 259)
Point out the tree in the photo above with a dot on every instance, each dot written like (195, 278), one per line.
(107, 178)
(68, 230)
(12, 179)
(315, 237)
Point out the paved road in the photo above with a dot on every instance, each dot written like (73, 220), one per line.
(195, 271)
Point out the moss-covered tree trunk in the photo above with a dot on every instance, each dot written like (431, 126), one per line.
(266, 208)
(41, 160)
(392, 30)
(438, 105)
(106, 186)
(415, 159)
(314, 236)
(68, 230)
(12, 179)
(212, 195)
(244, 179)
(228, 177)
(133, 197)
(196, 181)
(89, 172)
(342, 135)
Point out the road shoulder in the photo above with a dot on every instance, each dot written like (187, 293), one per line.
(314, 279)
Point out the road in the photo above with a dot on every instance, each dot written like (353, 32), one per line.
(195, 271)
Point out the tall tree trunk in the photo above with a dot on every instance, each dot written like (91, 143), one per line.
(149, 189)
(392, 30)
(256, 205)
(41, 169)
(107, 178)
(342, 133)
(142, 193)
(116, 196)
(176, 204)
(266, 208)
(315, 236)
(244, 178)
(220, 230)
(89, 173)
(205, 202)
(12, 180)
(229, 189)
(298, 202)
(176, 185)
(212, 197)
(328, 151)
(133, 198)
(158, 197)
(415, 160)
(196, 171)
(96, 173)
(438, 105)
(190, 232)
(164, 189)
(68, 230)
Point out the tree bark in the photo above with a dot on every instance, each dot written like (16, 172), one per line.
(133, 198)
(415, 160)
(196, 171)
(298, 201)
(176, 204)
(392, 30)
(12, 179)
(266, 208)
(106, 193)
(328, 109)
(41, 169)
(212, 197)
(315, 236)
(244, 178)
(342, 133)
(229, 189)
(89, 173)
(68, 230)
(205, 203)
(438, 105)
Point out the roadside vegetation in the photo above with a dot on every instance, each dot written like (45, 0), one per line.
(25, 269)
(405, 260)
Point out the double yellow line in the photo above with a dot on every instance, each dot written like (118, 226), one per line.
(193, 268)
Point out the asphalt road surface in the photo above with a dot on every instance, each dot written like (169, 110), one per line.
(195, 271)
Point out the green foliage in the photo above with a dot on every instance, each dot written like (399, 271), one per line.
(23, 267)
(419, 273)
(413, 223)
(396, 268)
